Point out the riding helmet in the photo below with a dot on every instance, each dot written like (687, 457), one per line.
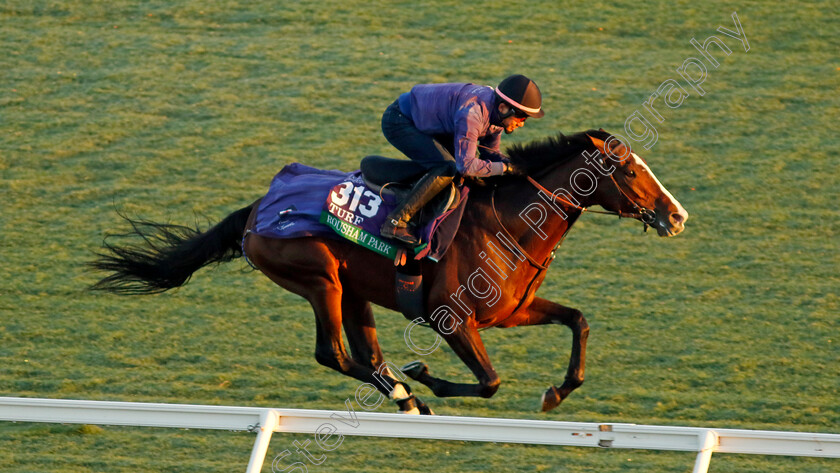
(521, 93)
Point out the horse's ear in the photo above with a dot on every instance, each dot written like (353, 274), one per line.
(599, 144)
(615, 147)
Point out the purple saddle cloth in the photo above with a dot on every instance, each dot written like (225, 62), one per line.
(303, 201)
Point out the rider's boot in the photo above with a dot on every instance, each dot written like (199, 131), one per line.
(396, 225)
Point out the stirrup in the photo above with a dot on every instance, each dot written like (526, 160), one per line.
(408, 238)
(393, 229)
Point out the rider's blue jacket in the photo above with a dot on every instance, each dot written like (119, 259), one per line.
(465, 112)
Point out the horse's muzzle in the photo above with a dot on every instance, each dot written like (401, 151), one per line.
(672, 225)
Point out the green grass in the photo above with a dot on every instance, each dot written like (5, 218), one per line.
(183, 111)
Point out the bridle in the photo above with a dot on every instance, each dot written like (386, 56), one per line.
(647, 216)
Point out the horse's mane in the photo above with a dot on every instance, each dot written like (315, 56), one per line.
(537, 155)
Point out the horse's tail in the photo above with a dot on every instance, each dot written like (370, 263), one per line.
(168, 255)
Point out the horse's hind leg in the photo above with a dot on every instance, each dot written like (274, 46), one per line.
(308, 268)
(359, 325)
(326, 301)
(330, 351)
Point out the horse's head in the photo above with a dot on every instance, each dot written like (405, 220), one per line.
(630, 187)
(594, 168)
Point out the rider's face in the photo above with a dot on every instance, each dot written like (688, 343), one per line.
(514, 121)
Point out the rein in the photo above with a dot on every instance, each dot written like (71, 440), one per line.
(514, 240)
(540, 267)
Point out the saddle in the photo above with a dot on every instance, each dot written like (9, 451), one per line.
(396, 177)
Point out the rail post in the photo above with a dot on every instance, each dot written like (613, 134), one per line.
(269, 421)
(708, 441)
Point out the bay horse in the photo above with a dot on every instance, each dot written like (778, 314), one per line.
(510, 229)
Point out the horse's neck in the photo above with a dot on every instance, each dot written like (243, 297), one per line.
(536, 221)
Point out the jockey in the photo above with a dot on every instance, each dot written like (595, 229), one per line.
(441, 126)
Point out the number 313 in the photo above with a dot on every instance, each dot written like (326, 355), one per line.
(347, 190)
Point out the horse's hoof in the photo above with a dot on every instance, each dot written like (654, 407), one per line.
(550, 399)
(424, 409)
(409, 405)
(415, 369)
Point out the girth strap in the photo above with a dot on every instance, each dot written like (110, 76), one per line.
(409, 290)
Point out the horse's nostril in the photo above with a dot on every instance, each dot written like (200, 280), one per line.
(677, 218)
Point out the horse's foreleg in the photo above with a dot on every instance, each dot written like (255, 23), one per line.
(466, 343)
(542, 311)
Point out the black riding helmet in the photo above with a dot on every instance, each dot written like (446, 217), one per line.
(522, 94)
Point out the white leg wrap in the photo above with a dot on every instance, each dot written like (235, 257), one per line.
(398, 393)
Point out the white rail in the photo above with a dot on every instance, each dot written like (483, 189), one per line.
(266, 421)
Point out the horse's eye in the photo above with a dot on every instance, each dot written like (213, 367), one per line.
(631, 173)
